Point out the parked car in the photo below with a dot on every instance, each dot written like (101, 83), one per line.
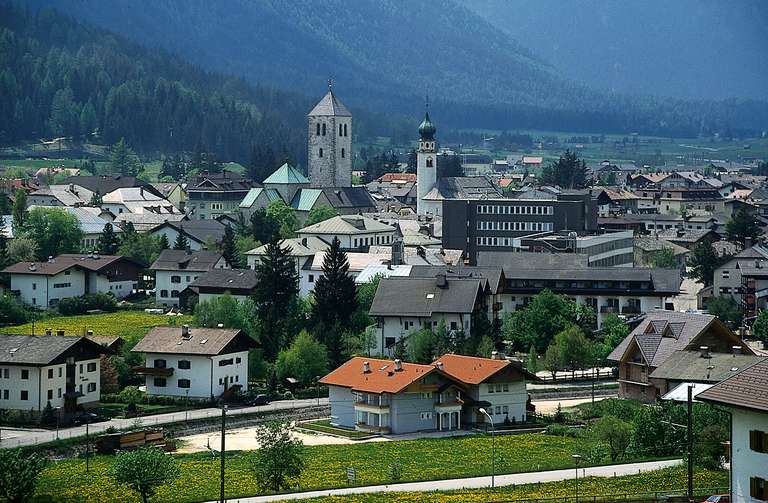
(258, 400)
(88, 417)
(718, 498)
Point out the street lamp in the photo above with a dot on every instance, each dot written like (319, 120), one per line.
(576, 459)
(58, 419)
(493, 447)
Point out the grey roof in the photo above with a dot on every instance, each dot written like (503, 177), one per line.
(201, 231)
(650, 243)
(421, 297)
(226, 181)
(203, 341)
(488, 275)
(330, 105)
(688, 236)
(347, 224)
(300, 247)
(104, 184)
(467, 187)
(181, 260)
(664, 281)
(224, 279)
(143, 222)
(349, 197)
(40, 349)
(748, 389)
(531, 260)
(661, 333)
(691, 366)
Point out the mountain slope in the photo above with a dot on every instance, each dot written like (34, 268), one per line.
(386, 54)
(686, 48)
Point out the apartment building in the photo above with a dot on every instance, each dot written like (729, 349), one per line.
(175, 270)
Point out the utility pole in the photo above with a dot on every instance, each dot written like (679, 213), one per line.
(493, 447)
(576, 459)
(690, 442)
(87, 444)
(223, 434)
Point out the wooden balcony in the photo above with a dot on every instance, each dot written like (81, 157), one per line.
(153, 371)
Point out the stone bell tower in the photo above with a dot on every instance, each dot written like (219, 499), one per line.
(330, 143)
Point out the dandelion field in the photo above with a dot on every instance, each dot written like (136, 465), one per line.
(426, 459)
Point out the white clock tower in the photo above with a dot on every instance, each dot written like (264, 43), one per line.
(426, 163)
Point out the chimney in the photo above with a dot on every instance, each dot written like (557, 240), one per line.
(398, 365)
(48, 331)
(60, 332)
(366, 367)
(439, 365)
(96, 255)
(185, 331)
(441, 281)
(89, 333)
(747, 243)
(704, 351)
(736, 350)
(50, 259)
(495, 355)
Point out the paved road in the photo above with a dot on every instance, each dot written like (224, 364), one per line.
(475, 482)
(20, 437)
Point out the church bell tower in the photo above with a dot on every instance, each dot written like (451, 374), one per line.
(426, 162)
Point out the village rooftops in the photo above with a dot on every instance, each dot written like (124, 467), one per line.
(225, 279)
(661, 333)
(748, 389)
(202, 231)
(692, 366)
(474, 370)
(194, 341)
(378, 376)
(182, 260)
(299, 247)
(40, 350)
(347, 224)
(421, 297)
(60, 263)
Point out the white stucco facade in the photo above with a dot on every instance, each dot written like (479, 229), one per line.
(747, 463)
(32, 387)
(391, 329)
(168, 284)
(203, 377)
(45, 291)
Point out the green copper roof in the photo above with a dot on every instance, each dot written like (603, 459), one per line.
(253, 195)
(305, 199)
(286, 174)
(427, 130)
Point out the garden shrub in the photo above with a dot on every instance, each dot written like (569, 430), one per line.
(562, 430)
(93, 301)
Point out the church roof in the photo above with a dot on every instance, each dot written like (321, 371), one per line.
(253, 195)
(305, 199)
(286, 174)
(330, 106)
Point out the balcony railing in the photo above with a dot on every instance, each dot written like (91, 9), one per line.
(630, 309)
(609, 309)
(373, 401)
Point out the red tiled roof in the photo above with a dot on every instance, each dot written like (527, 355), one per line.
(407, 177)
(470, 369)
(382, 377)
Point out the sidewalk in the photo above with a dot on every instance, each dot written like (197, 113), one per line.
(473, 483)
(15, 437)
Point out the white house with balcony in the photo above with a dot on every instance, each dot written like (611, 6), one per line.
(36, 370)
(198, 363)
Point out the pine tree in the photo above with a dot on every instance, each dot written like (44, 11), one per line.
(5, 204)
(743, 227)
(95, 199)
(335, 291)
(181, 242)
(164, 245)
(276, 289)
(108, 241)
(228, 248)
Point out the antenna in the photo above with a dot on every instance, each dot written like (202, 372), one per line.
(330, 84)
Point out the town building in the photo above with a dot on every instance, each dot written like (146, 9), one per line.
(745, 395)
(729, 281)
(301, 251)
(60, 195)
(678, 192)
(39, 369)
(391, 396)
(200, 234)
(312, 269)
(136, 200)
(175, 270)
(656, 339)
(212, 195)
(240, 284)
(402, 306)
(702, 366)
(44, 284)
(354, 232)
(173, 192)
(648, 248)
(329, 153)
(198, 363)
(608, 249)
(476, 225)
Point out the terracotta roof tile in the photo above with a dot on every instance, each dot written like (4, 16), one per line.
(382, 377)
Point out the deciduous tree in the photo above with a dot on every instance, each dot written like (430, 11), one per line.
(319, 214)
(760, 327)
(614, 432)
(144, 470)
(279, 459)
(19, 213)
(304, 360)
(54, 231)
(18, 474)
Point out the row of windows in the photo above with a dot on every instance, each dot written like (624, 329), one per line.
(500, 410)
(378, 240)
(62, 285)
(321, 129)
(482, 225)
(410, 324)
(494, 241)
(162, 382)
(320, 152)
(164, 293)
(497, 209)
(177, 279)
(498, 388)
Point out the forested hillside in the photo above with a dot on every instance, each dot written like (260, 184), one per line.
(62, 78)
(386, 54)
